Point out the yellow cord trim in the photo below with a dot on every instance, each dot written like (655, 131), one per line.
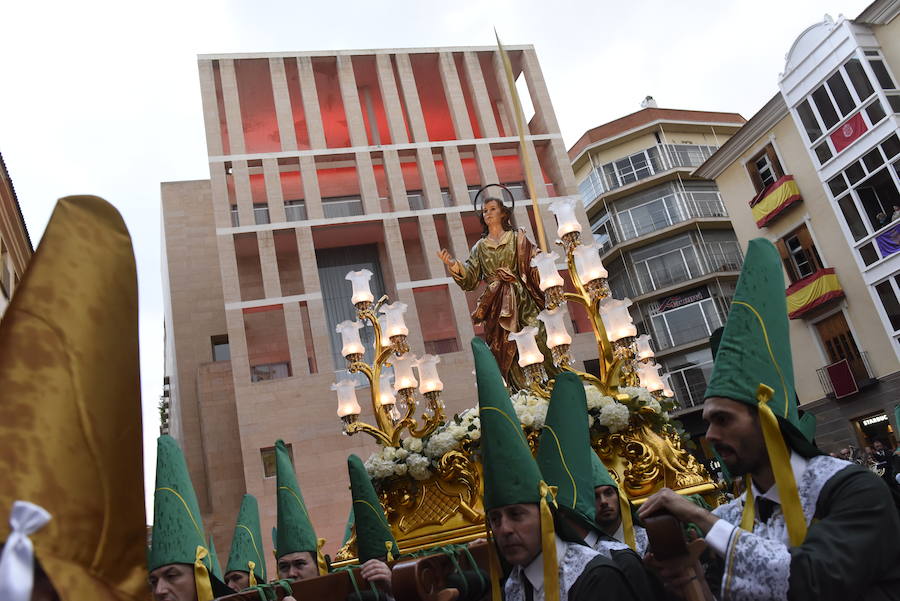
(494, 563)
(389, 546)
(516, 424)
(548, 546)
(762, 325)
(562, 460)
(627, 522)
(320, 557)
(201, 575)
(186, 508)
(749, 513)
(299, 500)
(252, 542)
(252, 566)
(780, 459)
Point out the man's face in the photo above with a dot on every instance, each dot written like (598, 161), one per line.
(878, 445)
(237, 580)
(845, 454)
(174, 582)
(606, 504)
(517, 530)
(297, 566)
(735, 433)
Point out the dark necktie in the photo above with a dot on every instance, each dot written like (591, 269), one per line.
(765, 507)
(529, 590)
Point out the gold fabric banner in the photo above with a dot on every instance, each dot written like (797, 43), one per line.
(777, 197)
(813, 291)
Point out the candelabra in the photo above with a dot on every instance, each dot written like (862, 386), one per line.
(625, 358)
(393, 414)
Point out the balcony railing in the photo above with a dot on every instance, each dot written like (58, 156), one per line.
(653, 275)
(642, 165)
(812, 291)
(841, 379)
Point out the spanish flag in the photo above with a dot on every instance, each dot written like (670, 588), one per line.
(776, 198)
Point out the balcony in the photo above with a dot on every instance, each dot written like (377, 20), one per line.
(846, 377)
(812, 291)
(642, 165)
(774, 199)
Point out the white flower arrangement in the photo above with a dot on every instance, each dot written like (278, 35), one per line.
(417, 458)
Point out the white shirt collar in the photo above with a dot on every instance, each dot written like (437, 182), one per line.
(591, 539)
(620, 533)
(534, 571)
(798, 466)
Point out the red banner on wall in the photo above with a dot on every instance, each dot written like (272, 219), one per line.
(853, 128)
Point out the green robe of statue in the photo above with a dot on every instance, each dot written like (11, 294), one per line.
(851, 550)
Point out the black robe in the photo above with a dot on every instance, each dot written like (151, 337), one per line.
(602, 578)
(851, 551)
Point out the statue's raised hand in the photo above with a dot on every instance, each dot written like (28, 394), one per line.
(445, 256)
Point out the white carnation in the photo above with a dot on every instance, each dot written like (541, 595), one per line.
(615, 417)
(400, 454)
(413, 445)
(418, 466)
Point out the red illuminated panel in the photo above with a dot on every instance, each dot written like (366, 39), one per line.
(331, 105)
(254, 83)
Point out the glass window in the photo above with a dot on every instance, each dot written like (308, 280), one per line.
(826, 108)
(855, 173)
(295, 210)
(891, 146)
(873, 159)
(809, 121)
(868, 254)
(841, 94)
(894, 101)
(220, 349)
(889, 302)
(859, 79)
(851, 216)
(837, 184)
(687, 324)
(875, 112)
(765, 170)
(882, 75)
(235, 219)
(878, 195)
(799, 258)
(342, 206)
(269, 371)
(823, 152)
(260, 213)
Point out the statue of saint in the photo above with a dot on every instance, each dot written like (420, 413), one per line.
(512, 298)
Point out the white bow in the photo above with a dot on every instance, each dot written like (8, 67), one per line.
(17, 560)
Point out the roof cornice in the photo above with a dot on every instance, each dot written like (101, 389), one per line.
(764, 120)
(879, 12)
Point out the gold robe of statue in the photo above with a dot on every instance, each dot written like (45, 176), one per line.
(511, 300)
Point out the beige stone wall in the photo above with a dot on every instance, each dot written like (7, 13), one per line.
(737, 190)
(889, 37)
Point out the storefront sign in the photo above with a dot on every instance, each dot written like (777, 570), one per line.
(685, 298)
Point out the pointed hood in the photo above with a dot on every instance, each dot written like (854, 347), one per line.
(69, 372)
(216, 568)
(246, 553)
(295, 531)
(374, 538)
(564, 449)
(753, 366)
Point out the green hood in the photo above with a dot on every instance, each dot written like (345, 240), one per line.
(510, 473)
(599, 474)
(755, 346)
(373, 533)
(246, 544)
(295, 531)
(564, 449)
(177, 524)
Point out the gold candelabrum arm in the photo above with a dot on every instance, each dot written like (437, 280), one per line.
(387, 430)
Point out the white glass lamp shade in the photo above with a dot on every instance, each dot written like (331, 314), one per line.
(588, 263)
(385, 391)
(566, 222)
(529, 354)
(650, 378)
(403, 372)
(360, 281)
(644, 350)
(428, 374)
(346, 394)
(394, 324)
(547, 272)
(555, 324)
(350, 342)
(616, 318)
(667, 387)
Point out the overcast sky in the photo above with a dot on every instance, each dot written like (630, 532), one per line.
(103, 97)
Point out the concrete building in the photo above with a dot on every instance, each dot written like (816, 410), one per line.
(666, 235)
(322, 163)
(816, 172)
(15, 244)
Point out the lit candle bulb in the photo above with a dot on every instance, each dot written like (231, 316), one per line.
(529, 354)
(360, 281)
(547, 272)
(385, 392)
(428, 375)
(588, 263)
(555, 324)
(616, 318)
(351, 344)
(346, 395)
(394, 324)
(644, 350)
(403, 372)
(649, 375)
(566, 222)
